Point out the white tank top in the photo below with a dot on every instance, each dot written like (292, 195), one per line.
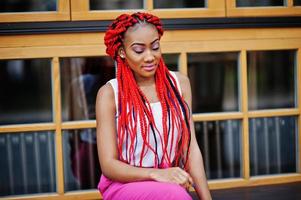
(154, 137)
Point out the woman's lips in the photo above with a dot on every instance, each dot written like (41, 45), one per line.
(149, 67)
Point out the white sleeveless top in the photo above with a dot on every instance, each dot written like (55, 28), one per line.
(154, 137)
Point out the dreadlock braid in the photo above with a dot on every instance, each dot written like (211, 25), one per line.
(134, 107)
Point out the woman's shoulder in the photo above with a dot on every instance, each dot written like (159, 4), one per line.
(105, 94)
(183, 79)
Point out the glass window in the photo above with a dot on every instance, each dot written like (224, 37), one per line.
(180, 4)
(220, 143)
(26, 89)
(214, 81)
(271, 79)
(27, 163)
(27, 6)
(258, 3)
(80, 80)
(115, 5)
(297, 2)
(171, 61)
(273, 145)
(81, 165)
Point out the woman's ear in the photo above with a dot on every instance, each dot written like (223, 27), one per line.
(121, 53)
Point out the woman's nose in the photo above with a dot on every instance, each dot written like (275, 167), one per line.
(149, 56)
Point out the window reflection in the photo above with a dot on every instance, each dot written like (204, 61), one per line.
(214, 81)
(273, 145)
(297, 2)
(257, 3)
(115, 5)
(81, 79)
(271, 79)
(25, 87)
(220, 143)
(179, 4)
(81, 166)
(171, 61)
(27, 6)
(27, 163)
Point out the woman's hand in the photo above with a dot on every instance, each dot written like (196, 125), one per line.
(172, 175)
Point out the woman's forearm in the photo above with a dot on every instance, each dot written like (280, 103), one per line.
(119, 171)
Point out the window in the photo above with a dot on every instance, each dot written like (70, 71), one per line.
(272, 8)
(39, 10)
(27, 88)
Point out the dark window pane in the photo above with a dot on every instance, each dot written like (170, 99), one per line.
(27, 163)
(220, 143)
(81, 166)
(27, 6)
(214, 81)
(179, 4)
(297, 2)
(25, 87)
(273, 145)
(171, 61)
(258, 3)
(115, 5)
(80, 80)
(271, 79)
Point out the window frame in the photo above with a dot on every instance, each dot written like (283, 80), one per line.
(287, 10)
(174, 41)
(80, 11)
(62, 14)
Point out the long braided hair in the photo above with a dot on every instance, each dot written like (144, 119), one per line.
(134, 108)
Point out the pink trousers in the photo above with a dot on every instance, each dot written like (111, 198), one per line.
(143, 190)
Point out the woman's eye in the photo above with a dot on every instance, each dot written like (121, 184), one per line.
(138, 50)
(156, 47)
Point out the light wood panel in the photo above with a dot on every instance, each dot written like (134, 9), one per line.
(62, 14)
(167, 47)
(217, 116)
(56, 99)
(27, 127)
(218, 35)
(244, 108)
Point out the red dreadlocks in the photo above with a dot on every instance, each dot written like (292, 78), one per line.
(133, 105)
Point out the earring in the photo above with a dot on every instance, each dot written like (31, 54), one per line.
(122, 56)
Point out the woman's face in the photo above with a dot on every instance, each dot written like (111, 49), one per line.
(141, 49)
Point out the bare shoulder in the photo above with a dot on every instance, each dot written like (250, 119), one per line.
(105, 97)
(184, 81)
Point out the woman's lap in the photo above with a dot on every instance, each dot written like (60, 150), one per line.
(145, 190)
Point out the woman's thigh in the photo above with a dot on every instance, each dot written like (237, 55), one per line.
(146, 190)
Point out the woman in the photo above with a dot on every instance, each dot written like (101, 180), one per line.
(145, 135)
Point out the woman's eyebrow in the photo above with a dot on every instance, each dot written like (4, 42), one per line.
(142, 44)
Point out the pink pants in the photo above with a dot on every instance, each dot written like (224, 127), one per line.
(143, 190)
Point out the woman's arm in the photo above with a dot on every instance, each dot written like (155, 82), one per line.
(107, 148)
(195, 160)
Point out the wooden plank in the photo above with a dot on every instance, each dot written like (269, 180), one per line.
(79, 124)
(263, 12)
(27, 127)
(274, 112)
(183, 63)
(205, 35)
(244, 107)
(79, 6)
(56, 99)
(149, 5)
(103, 15)
(217, 116)
(167, 47)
